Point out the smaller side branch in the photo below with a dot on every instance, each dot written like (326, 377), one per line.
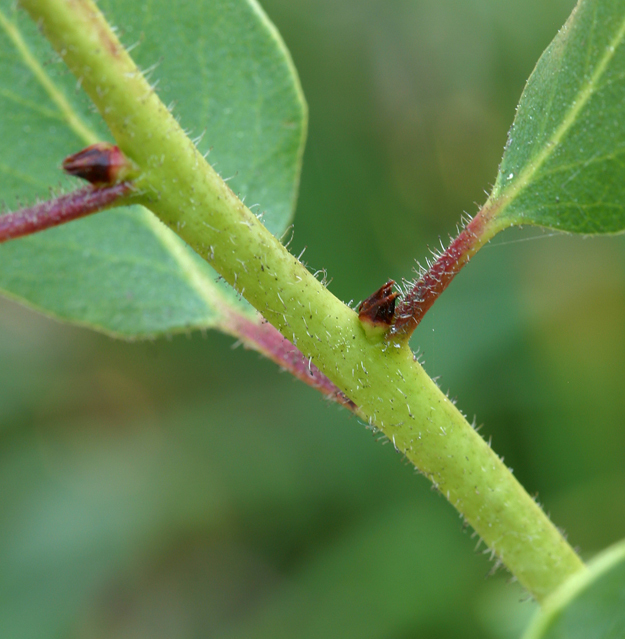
(268, 341)
(436, 279)
(45, 215)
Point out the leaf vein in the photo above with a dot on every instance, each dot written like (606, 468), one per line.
(54, 93)
(584, 95)
(203, 286)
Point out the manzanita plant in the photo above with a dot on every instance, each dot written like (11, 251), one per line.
(149, 266)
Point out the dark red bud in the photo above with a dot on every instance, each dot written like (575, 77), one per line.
(102, 164)
(379, 309)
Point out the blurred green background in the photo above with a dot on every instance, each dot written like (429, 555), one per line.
(182, 489)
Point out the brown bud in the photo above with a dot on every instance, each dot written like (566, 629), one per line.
(379, 309)
(102, 164)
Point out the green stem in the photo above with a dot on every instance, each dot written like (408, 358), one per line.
(391, 390)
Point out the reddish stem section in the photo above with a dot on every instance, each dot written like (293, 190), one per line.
(267, 340)
(65, 208)
(425, 292)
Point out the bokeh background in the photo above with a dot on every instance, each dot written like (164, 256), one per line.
(182, 489)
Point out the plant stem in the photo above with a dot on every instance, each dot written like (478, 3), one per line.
(265, 339)
(391, 390)
(437, 278)
(72, 206)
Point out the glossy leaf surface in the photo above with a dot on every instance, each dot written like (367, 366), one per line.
(564, 163)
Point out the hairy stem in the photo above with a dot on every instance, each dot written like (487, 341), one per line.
(265, 339)
(72, 206)
(437, 278)
(390, 389)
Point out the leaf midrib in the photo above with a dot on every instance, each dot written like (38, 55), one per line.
(70, 116)
(583, 97)
(197, 280)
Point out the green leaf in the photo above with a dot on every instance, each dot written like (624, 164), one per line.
(591, 604)
(564, 163)
(230, 80)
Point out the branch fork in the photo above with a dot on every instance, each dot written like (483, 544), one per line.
(390, 389)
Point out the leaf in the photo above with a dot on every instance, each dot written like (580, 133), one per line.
(564, 163)
(224, 67)
(591, 604)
